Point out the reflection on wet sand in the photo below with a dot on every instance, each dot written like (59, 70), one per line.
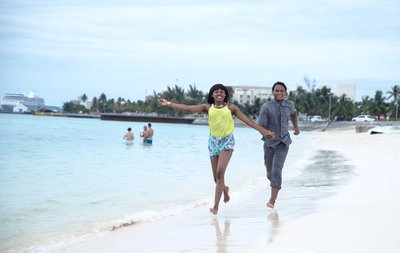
(221, 236)
(273, 218)
(319, 179)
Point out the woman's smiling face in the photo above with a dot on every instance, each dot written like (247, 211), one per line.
(219, 95)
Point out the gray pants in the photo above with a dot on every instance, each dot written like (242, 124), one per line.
(274, 159)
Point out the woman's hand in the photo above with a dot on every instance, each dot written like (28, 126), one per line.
(163, 101)
(268, 134)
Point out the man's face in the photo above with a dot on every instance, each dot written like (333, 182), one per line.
(279, 92)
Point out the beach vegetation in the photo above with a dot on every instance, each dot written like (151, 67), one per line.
(394, 94)
(309, 101)
(74, 106)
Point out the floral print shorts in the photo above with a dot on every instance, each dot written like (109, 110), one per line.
(218, 144)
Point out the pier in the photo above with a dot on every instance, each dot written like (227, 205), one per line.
(147, 118)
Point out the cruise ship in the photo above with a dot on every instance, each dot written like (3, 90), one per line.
(20, 103)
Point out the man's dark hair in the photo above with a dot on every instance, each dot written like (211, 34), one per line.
(278, 83)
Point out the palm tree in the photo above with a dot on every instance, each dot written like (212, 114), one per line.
(301, 99)
(379, 105)
(395, 94)
(102, 102)
(320, 100)
(194, 95)
(343, 106)
(140, 106)
(176, 95)
(95, 105)
(83, 98)
(365, 105)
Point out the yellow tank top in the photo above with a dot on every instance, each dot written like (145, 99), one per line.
(220, 121)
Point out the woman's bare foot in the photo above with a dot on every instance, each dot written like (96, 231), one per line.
(270, 205)
(226, 194)
(214, 211)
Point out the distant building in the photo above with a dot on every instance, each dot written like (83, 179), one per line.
(244, 94)
(19, 103)
(347, 89)
(20, 108)
(88, 104)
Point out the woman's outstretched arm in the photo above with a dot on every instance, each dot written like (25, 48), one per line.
(201, 108)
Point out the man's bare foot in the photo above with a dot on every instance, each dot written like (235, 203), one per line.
(270, 205)
(226, 194)
(214, 211)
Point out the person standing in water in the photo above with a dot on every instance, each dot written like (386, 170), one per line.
(143, 133)
(274, 116)
(129, 135)
(148, 135)
(221, 140)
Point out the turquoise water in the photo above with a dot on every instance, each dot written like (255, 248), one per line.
(64, 180)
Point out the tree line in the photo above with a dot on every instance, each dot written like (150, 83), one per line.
(308, 101)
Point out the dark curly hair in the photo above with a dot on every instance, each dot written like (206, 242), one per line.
(215, 87)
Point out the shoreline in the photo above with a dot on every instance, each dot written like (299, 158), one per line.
(304, 126)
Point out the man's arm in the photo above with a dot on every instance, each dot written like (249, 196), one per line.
(295, 122)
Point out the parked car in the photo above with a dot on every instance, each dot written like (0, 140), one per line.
(339, 118)
(316, 119)
(364, 118)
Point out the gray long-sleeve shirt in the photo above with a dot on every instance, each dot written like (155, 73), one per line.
(275, 117)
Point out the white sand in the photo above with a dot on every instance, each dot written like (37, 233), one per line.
(364, 216)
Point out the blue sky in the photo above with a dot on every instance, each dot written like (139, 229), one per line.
(63, 49)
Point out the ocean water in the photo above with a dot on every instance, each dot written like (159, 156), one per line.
(65, 180)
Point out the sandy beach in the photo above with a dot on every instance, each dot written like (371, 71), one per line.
(362, 215)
